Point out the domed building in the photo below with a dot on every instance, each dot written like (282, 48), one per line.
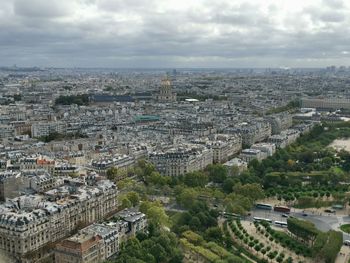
(165, 92)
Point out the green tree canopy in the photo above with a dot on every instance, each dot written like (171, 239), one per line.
(217, 173)
(133, 197)
(253, 191)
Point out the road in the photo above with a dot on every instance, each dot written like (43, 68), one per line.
(323, 222)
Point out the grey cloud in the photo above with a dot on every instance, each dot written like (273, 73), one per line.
(126, 5)
(41, 8)
(332, 17)
(139, 33)
(337, 4)
(327, 15)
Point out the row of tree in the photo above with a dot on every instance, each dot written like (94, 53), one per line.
(82, 99)
(325, 245)
(303, 229)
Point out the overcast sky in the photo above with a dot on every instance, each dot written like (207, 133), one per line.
(175, 33)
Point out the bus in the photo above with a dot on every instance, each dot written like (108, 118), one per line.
(230, 215)
(264, 206)
(281, 224)
(260, 219)
(283, 209)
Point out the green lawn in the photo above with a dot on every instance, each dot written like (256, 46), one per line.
(298, 174)
(345, 228)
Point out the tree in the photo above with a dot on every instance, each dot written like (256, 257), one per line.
(195, 179)
(187, 197)
(228, 185)
(146, 168)
(159, 246)
(82, 99)
(291, 163)
(125, 202)
(235, 170)
(157, 215)
(252, 191)
(177, 258)
(213, 234)
(158, 252)
(303, 229)
(238, 204)
(134, 198)
(327, 162)
(126, 183)
(217, 173)
(112, 173)
(158, 179)
(141, 236)
(195, 223)
(331, 248)
(305, 201)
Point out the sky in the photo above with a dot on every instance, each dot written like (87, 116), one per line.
(175, 33)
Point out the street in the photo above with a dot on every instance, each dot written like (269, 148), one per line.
(323, 222)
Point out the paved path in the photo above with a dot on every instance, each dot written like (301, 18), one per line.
(221, 222)
(344, 255)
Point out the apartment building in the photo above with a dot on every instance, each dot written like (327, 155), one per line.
(28, 223)
(280, 122)
(6, 131)
(236, 162)
(326, 103)
(99, 242)
(284, 138)
(225, 146)
(248, 155)
(45, 128)
(252, 132)
(37, 162)
(80, 248)
(179, 161)
(121, 162)
(268, 148)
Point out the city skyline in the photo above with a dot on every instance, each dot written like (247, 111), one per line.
(167, 34)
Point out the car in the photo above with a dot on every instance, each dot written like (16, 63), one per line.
(347, 242)
(304, 214)
(285, 215)
(329, 211)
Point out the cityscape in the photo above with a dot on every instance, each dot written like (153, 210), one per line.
(174, 131)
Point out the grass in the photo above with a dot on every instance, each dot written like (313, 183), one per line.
(345, 228)
(298, 174)
(315, 203)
